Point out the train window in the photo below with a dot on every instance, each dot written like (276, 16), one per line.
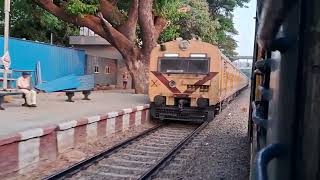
(198, 66)
(184, 65)
(173, 65)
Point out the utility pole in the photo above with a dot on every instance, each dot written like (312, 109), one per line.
(6, 24)
(6, 38)
(51, 38)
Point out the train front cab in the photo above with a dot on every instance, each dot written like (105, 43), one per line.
(184, 81)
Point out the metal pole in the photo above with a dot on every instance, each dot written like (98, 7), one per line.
(6, 38)
(51, 38)
(6, 24)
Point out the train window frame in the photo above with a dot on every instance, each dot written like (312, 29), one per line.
(173, 58)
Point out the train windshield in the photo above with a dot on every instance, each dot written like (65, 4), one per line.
(190, 65)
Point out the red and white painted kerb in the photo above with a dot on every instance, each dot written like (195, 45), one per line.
(29, 147)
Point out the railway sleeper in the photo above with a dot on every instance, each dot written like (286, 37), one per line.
(167, 138)
(124, 162)
(158, 142)
(172, 134)
(94, 175)
(142, 152)
(139, 155)
(137, 158)
(149, 148)
(117, 169)
(158, 146)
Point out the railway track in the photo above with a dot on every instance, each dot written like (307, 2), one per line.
(141, 157)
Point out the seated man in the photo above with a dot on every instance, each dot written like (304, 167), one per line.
(24, 84)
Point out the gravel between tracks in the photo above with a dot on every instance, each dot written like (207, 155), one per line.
(223, 153)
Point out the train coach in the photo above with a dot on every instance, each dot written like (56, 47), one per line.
(189, 80)
(284, 123)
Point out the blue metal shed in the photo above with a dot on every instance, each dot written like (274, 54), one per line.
(55, 61)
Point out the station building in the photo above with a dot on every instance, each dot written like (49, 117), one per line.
(103, 60)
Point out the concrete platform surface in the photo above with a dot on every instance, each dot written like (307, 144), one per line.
(53, 109)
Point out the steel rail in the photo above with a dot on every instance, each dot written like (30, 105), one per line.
(153, 170)
(92, 160)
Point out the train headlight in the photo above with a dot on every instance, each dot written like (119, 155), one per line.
(172, 84)
(203, 102)
(159, 100)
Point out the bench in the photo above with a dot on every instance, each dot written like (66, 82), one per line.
(10, 93)
(86, 86)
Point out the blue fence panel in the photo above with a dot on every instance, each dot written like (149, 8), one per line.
(56, 61)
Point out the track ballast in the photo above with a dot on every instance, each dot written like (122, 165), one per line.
(140, 157)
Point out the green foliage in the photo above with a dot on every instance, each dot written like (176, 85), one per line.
(222, 12)
(168, 10)
(51, 22)
(81, 7)
(196, 21)
(29, 21)
(201, 23)
(169, 33)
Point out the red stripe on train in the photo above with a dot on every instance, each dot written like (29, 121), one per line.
(175, 90)
(165, 81)
(201, 82)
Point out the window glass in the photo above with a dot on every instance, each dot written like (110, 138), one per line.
(96, 69)
(108, 71)
(200, 66)
(184, 65)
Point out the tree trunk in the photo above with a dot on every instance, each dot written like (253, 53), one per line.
(140, 79)
(138, 66)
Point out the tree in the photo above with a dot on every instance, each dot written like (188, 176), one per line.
(192, 20)
(222, 12)
(117, 23)
(196, 21)
(32, 22)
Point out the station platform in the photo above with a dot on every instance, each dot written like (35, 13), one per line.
(53, 109)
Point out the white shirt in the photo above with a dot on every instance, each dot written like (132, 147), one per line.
(23, 82)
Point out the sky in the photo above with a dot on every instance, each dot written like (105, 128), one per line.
(244, 22)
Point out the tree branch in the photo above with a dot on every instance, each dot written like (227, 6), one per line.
(92, 22)
(118, 40)
(89, 21)
(160, 24)
(111, 12)
(147, 25)
(129, 27)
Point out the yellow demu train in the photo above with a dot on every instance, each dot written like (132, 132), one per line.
(189, 80)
